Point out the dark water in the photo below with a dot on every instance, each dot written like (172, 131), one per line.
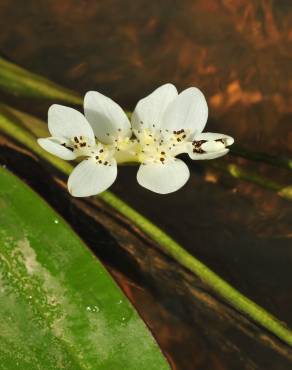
(239, 54)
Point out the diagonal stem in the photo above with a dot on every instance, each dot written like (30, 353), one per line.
(167, 244)
(283, 162)
(236, 171)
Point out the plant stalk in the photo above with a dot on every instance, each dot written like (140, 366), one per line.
(232, 296)
(20, 82)
(234, 170)
(272, 160)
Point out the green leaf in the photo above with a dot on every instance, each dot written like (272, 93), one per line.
(60, 309)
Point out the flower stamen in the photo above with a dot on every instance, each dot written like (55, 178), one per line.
(197, 146)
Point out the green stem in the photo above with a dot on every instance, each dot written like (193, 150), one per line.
(220, 286)
(240, 173)
(171, 247)
(283, 162)
(19, 81)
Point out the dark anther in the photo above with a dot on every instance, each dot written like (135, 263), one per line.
(101, 151)
(105, 163)
(96, 157)
(199, 142)
(162, 153)
(76, 139)
(162, 159)
(198, 150)
(67, 147)
(99, 161)
(197, 146)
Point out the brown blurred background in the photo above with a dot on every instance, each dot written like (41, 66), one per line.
(239, 53)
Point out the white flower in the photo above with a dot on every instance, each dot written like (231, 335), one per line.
(167, 124)
(73, 135)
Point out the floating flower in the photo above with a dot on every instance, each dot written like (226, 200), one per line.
(167, 124)
(74, 135)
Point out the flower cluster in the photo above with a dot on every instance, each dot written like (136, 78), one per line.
(163, 125)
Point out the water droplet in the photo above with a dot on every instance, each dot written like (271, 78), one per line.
(56, 221)
(93, 308)
(120, 302)
(126, 312)
(124, 320)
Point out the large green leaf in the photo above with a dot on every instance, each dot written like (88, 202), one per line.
(60, 309)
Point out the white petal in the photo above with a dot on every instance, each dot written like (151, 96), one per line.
(68, 123)
(89, 178)
(163, 178)
(212, 136)
(106, 117)
(150, 110)
(207, 156)
(189, 111)
(212, 146)
(53, 146)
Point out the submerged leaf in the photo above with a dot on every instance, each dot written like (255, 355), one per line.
(60, 309)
